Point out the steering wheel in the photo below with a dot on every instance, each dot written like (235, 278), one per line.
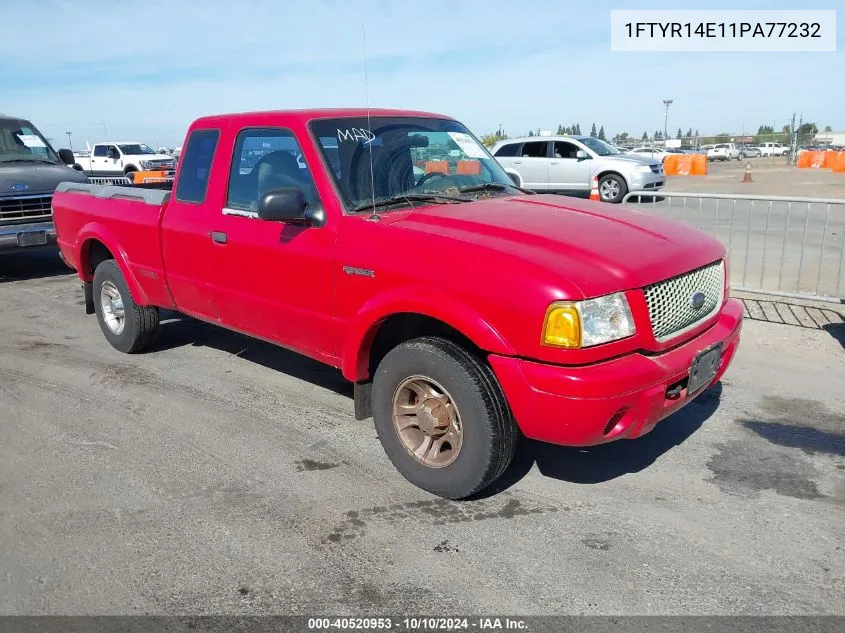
(426, 177)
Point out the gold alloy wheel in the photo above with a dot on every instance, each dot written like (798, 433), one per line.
(427, 422)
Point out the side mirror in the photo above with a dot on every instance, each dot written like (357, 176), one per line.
(582, 155)
(284, 205)
(67, 156)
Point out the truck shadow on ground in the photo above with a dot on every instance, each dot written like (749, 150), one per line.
(177, 331)
(37, 264)
(590, 465)
(837, 331)
(598, 464)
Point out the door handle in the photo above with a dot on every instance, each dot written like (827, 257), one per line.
(555, 162)
(218, 237)
(517, 162)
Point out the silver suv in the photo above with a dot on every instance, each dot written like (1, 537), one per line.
(567, 164)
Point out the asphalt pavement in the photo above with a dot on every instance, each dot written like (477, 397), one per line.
(217, 474)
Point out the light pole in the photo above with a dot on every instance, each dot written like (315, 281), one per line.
(667, 103)
(69, 144)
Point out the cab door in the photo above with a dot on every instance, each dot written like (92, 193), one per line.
(186, 233)
(271, 279)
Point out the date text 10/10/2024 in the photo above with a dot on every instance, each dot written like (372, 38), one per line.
(417, 624)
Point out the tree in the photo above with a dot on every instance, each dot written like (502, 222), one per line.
(722, 137)
(576, 129)
(623, 136)
(827, 128)
(560, 130)
(567, 130)
(689, 133)
(593, 132)
(530, 132)
(645, 136)
(601, 136)
(765, 129)
(680, 134)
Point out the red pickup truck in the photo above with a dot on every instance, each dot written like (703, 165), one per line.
(390, 244)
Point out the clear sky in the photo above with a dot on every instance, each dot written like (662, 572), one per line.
(147, 69)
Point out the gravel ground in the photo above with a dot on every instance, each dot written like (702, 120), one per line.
(217, 474)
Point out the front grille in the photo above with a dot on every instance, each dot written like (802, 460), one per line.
(25, 208)
(657, 169)
(670, 302)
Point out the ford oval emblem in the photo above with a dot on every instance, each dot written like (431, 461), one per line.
(19, 186)
(697, 300)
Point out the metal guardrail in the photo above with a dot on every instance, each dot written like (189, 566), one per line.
(779, 245)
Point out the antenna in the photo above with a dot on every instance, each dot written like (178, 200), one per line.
(375, 216)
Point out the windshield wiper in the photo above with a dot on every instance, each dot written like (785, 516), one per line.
(493, 186)
(436, 198)
(28, 160)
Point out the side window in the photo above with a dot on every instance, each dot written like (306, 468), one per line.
(535, 149)
(265, 159)
(100, 150)
(196, 165)
(508, 150)
(564, 149)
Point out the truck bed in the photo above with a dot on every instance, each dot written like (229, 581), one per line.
(126, 221)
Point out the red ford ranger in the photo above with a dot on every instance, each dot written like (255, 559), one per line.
(390, 244)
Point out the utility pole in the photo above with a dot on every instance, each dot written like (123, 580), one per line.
(69, 144)
(667, 103)
(105, 131)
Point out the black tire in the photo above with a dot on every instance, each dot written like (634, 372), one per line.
(490, 433)
(623, 188)
(128, 174)
(140, 324)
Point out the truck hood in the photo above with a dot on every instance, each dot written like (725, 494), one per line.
(598, 248)
(30, 179)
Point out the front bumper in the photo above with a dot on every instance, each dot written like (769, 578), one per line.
(620, 398)
(26, 237)
(641, 180)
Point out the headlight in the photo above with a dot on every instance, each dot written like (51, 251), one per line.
(577, 324)
(145, 164)
(646, 169)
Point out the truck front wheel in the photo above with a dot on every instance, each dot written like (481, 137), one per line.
(128, 327)
(442, 417)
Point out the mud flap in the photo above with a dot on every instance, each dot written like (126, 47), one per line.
(88, 289)
(363, 396)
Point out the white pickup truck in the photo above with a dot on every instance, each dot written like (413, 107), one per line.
(116, 159)
(773, 149)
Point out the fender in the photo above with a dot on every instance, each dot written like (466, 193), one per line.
(97, 231)
(427, 301)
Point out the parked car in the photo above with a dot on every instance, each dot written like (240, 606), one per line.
(30, 169)
(116, 159)
(651, 152)
(568, 163)
(466, 311)
(724, 152)
(773, 149)
(749, 151)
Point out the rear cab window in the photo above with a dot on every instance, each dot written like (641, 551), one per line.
(196, 161)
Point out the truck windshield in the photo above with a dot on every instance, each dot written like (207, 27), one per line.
(410, 156)
(20, 141)
(135, 149)
(599, 147)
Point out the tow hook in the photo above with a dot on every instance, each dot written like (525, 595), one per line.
(674, 392)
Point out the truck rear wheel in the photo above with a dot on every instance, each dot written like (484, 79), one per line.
(442, 417)
(128, 327)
